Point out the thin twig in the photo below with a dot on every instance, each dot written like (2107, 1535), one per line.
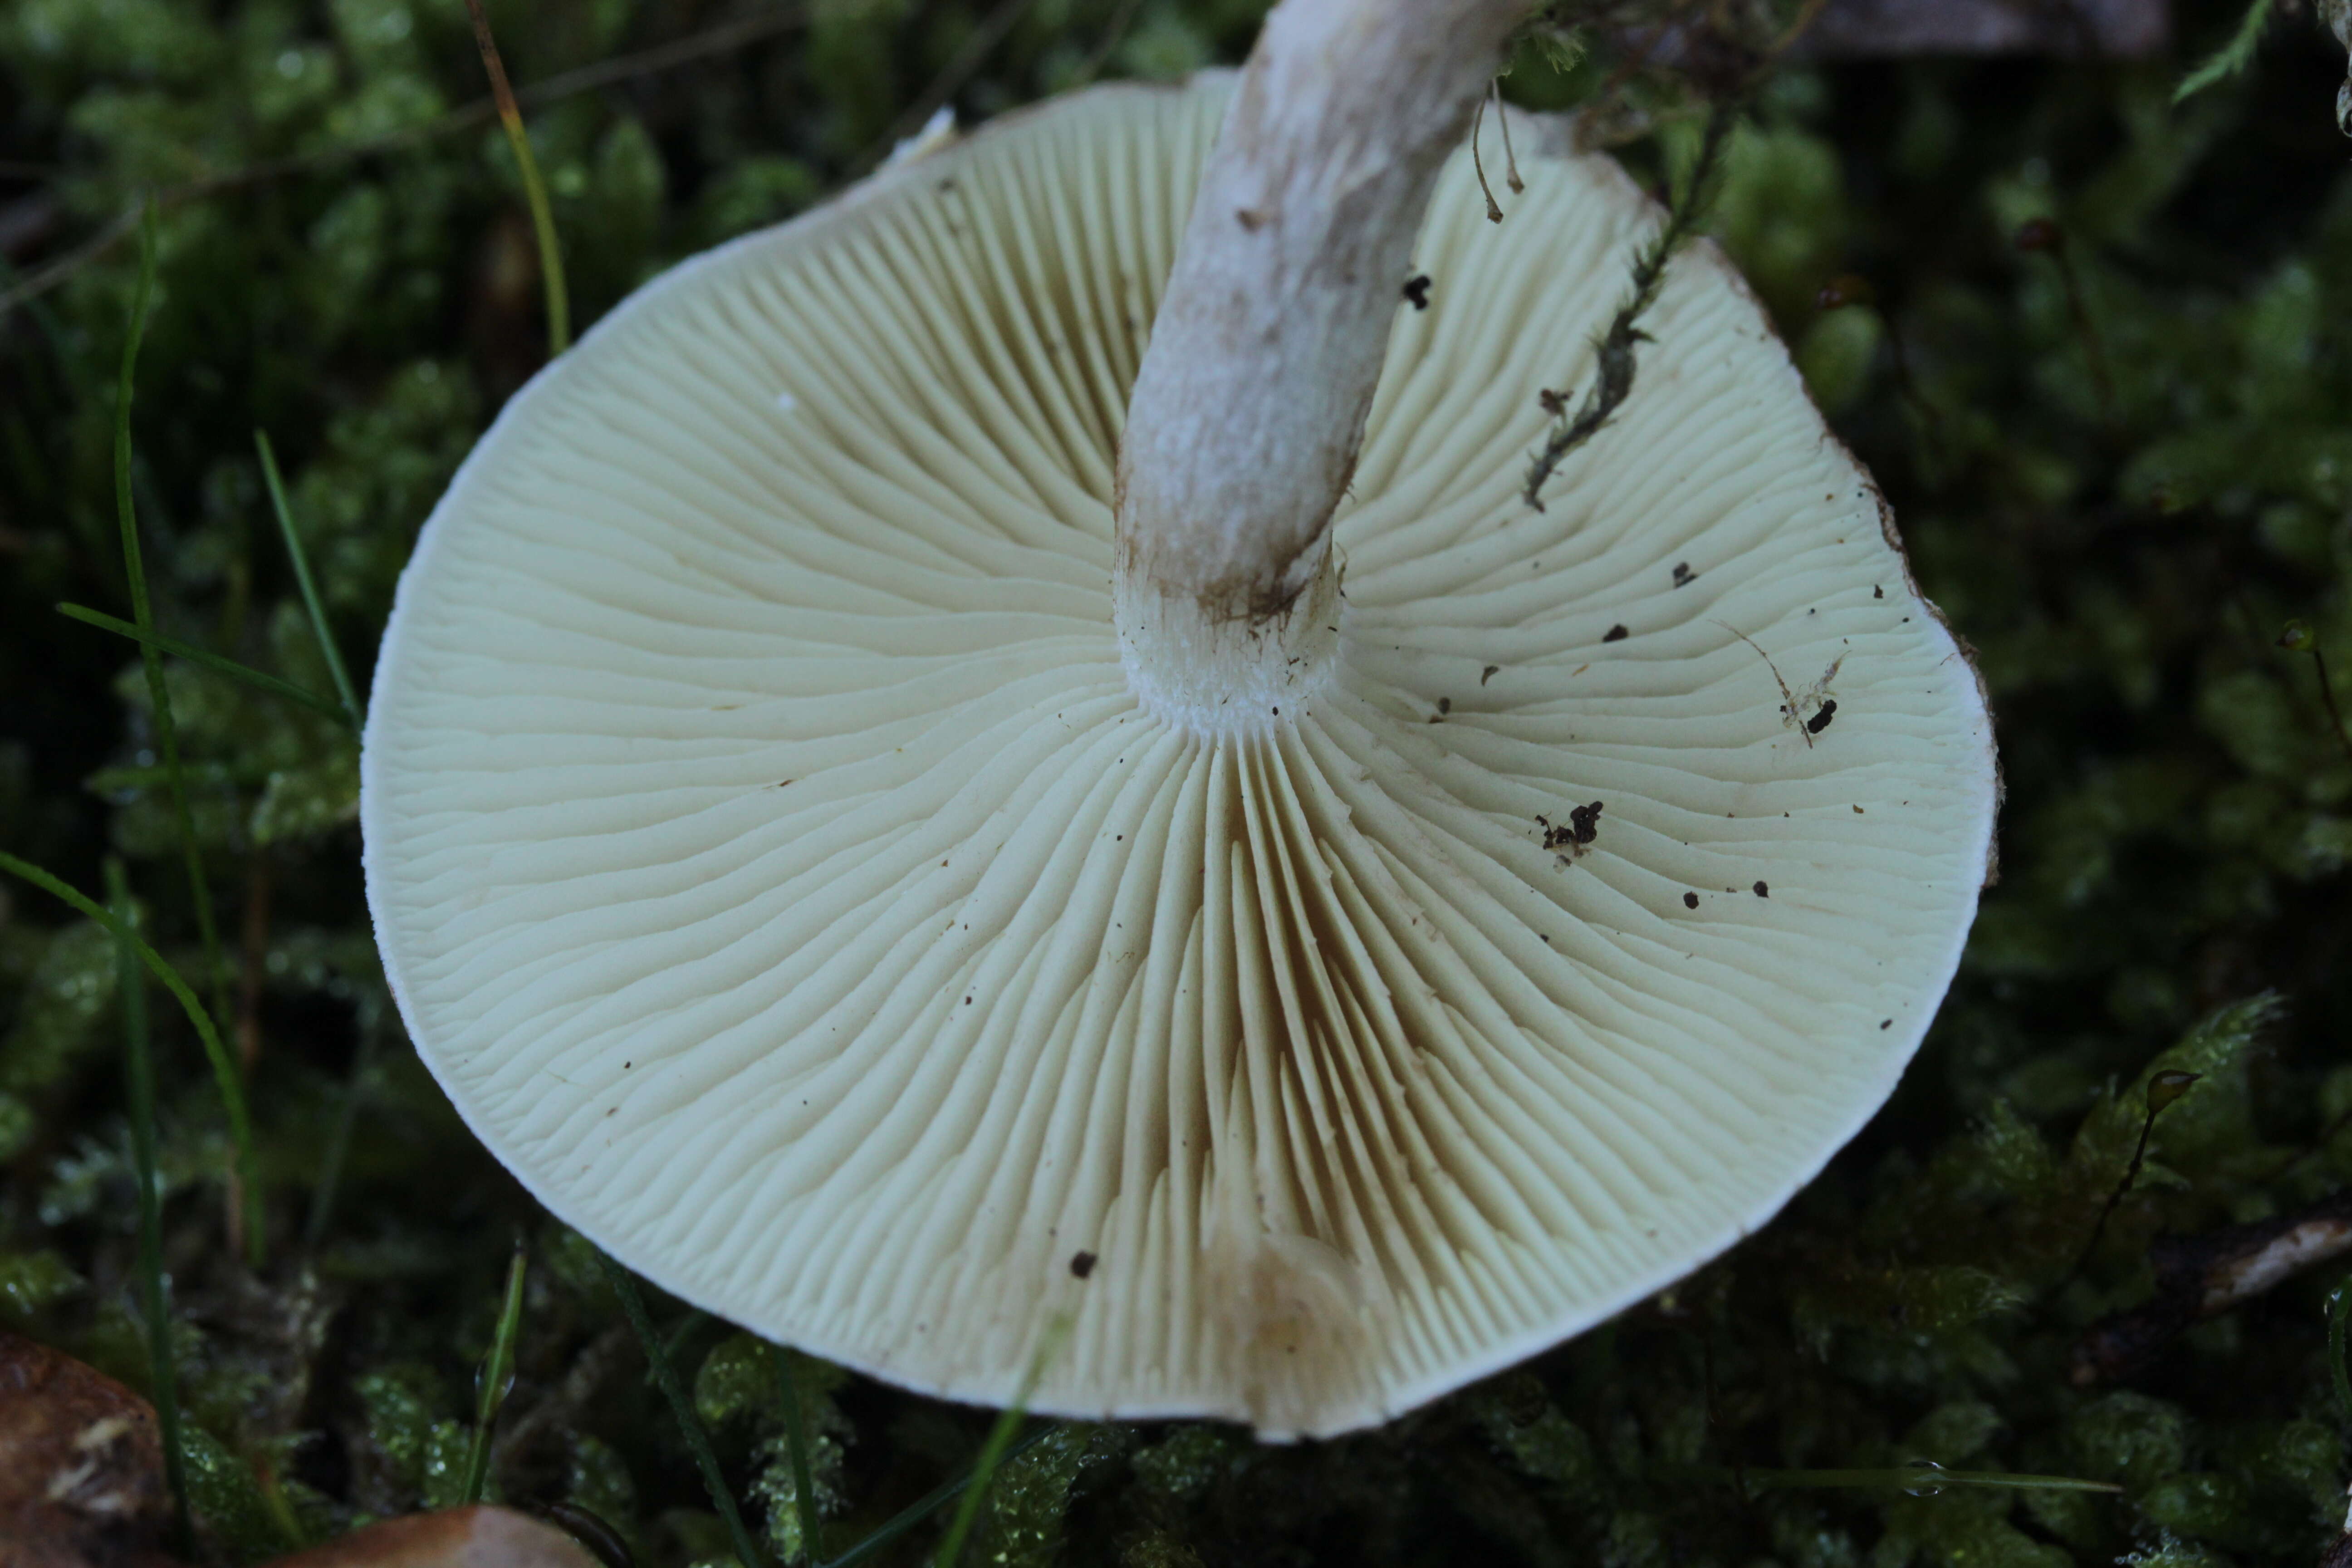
(2300, 638)
(2163, 1090)
(1615, 350)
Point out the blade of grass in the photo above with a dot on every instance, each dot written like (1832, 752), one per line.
(319, 627)
(930, 1502)
(204, 660)
(534, 189)
(796, 1445)
(142, 614)
(698, 1441)
(163, 1370)
(225, 1073)
(496, 1376)
(992, 1452)
(1922, 1479)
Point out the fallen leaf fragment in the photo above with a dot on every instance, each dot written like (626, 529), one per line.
(81, 1466)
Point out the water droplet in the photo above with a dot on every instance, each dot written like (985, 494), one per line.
(1930, 1481)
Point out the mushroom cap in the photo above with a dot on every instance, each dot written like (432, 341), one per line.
(772, 863)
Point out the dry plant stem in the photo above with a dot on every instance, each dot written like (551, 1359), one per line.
(1249, 408)
(2156, 1106)
(542, 216)
(2327, 696)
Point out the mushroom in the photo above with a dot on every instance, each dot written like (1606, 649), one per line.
(903, 858)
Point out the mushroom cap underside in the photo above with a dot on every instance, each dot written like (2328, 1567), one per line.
(774, 866)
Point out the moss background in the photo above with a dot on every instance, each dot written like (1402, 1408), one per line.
(2121, 498)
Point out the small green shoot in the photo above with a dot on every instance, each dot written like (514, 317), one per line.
(796, 1445)
(224, 1066)
(994, 1452)
(2233, 57)
(205, 660)
(143, 613)
(543, 216)
(698, 1441)
(492, 1383)
(163, 1372)
(352, 712)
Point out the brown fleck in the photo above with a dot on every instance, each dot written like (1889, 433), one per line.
(1417, 291)
(1251, 219)
(1690, 900)
(1489, 673)
(1762, 891)
(1683, 575)
(1083, 1264)
(1616, 633)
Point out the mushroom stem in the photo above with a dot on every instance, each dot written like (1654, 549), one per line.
(1250, 405)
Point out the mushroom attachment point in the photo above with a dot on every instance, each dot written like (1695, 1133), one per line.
(1352, 1094)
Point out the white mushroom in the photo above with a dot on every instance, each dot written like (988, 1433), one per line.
(866, 901)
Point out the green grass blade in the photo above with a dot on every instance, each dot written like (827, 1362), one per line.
(142, 614)
(930, 1502)
(1921, 1479)
(224, 1066)
(162, 1370)
(319, 627)
(796, 1447)
(496, 1374)
(994, 1452)
(534, 189)
(204, 660)
(2230, 58)
(698, 1441)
